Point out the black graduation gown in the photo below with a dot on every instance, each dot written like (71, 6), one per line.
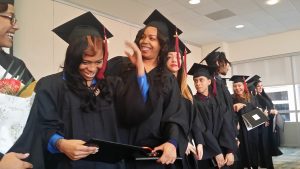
(196, 130)
(163, 121)
(249, 140)
(56, 110)
(18, 67)
(264, 144)
(214, 121)
(225, 104)
(269, 138)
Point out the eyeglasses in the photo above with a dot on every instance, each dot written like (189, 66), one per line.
(12, 18)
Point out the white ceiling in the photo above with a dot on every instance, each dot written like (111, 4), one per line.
(259, 19)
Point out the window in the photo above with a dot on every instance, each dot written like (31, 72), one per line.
(283, 100)
(281, 80)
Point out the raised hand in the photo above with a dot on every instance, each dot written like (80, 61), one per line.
(136, 57)
(238, 106)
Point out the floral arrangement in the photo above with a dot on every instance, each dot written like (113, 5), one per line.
(15, 104)
(13, 86)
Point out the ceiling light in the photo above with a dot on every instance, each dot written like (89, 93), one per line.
(193, 2)
(239, 26)
(272, 2)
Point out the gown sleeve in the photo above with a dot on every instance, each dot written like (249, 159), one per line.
(48, 97)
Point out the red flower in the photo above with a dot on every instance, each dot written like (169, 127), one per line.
(9, 86)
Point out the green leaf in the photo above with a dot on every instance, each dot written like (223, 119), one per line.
(25, 87)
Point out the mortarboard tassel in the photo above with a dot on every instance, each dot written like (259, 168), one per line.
(177, 49)
(214, 86)
(184, 60)
(100, 74)
(245, 86)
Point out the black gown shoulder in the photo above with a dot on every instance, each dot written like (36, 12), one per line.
(18, 67)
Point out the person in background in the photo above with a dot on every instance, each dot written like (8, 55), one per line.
(268, 133)
(8, 27)
(220, 91)
(249, 140)
(176, 64)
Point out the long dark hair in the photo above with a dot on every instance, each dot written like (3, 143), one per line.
(76, 83)
(162, 55)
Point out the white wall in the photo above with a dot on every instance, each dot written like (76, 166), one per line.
(272, 45)
(44, 52)
(34, 41)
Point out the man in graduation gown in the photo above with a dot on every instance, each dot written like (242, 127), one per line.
(223, 98)
(214, 120)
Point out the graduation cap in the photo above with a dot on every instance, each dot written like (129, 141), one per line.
(212, 57)
(157, 20)
(7, 1)
(204, 70)
(199, 70)
(164, 25)
(254, 80)
(240, 78)
(81, 26)
(183, 50)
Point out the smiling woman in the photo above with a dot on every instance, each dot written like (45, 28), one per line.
(78, 103)
(10, 66)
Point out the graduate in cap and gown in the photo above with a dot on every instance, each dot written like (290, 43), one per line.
(164, 123)
(249, 140)
(210, 115)
(81, 103)
(176, 64)
(268, 133)
(10, 66)
(220, 91)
